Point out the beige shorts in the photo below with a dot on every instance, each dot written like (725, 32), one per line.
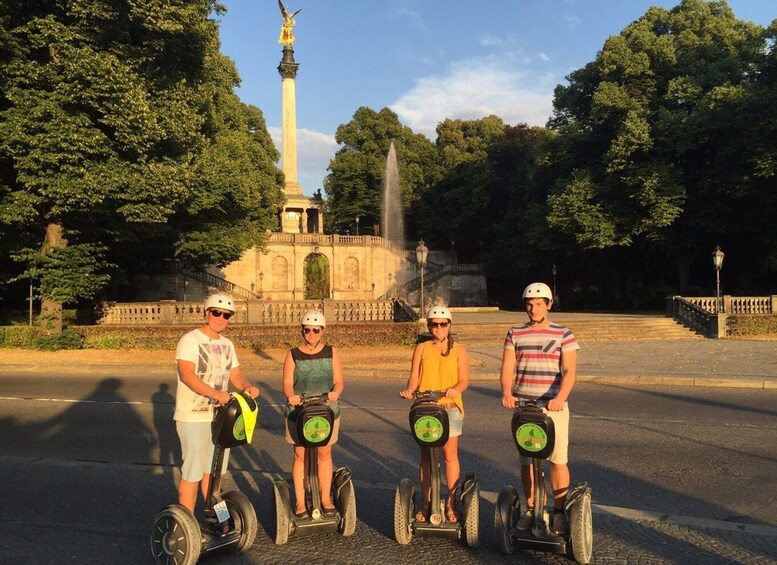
(560, 455)
(291, 433)
(197, 450)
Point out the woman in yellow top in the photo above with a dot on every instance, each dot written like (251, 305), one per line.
(440, 364)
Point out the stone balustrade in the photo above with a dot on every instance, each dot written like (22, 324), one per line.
(166, 312)
(736, 304)
(708, 314)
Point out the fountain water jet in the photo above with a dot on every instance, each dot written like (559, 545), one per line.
(392, 224)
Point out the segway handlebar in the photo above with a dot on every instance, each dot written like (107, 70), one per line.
(421, 396)
(308, 398)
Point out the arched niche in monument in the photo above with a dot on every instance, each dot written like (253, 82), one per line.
(280, 274)
(351, 273)
(317, 278)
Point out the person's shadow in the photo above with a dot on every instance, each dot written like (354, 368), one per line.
(169, 446)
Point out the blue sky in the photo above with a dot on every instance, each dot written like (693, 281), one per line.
(427, 60)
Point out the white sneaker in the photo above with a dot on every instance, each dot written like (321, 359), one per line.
(560, 523)
(526, 520)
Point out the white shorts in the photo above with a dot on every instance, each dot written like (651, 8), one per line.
(197, 450)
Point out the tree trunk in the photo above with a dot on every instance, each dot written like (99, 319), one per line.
(50, 311)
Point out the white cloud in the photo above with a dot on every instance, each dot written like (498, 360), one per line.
(473, 89)
(573, 22)
(491, 41)
(314, 151)
(543, 57)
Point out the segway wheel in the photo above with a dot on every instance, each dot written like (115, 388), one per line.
(403, 509)
(347, 508)
(581, 530)
(472, 519)
(507, 503)
(280, 491)
(244, 517)
(175, 537)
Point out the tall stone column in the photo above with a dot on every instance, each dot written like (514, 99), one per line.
(288, 71)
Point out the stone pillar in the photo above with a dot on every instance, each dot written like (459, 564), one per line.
(329, 309)
(166, 312)
(255, 312)
(288, 71)
(727, 304)
(773, 304)
(304, 228)
(720, 326)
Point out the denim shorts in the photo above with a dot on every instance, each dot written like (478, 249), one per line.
(455, 421)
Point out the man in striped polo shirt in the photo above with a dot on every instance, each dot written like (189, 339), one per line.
(539, 363)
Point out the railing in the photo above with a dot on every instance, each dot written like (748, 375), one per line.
(694, 316)
(166, 312)
(211, 280)
(736, 304)
(701, 312)
(436, 272)
(321, 239)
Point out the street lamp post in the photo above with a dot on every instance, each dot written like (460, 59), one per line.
(30, 299)
(717, 260)
(453, 250)
(261, 283)
(554, 271)
(421, 253)
(357, 225)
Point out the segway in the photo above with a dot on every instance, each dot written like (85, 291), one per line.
(230, 520)
(314, 423)
(430, 428)
(534, 436)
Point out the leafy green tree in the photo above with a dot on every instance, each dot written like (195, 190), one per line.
(354, 184)
(121, 141)
(456, 207)
(642, 129)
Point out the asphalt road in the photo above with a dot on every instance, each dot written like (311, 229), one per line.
(87, 460)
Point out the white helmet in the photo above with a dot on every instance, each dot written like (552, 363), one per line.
(222, 301)
(439, 312)
(538, 290)
(313, 318)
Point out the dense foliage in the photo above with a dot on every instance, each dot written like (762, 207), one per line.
(122, 144)
(657, 151)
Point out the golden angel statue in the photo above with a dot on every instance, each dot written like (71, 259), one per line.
(287, 36)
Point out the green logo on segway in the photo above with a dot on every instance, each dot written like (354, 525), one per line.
(316, 429)
(427, 428)
(239, 429)
(531, 437)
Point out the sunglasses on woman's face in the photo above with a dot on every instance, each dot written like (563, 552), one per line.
(439, 324)
(314, 330)
(219, 314)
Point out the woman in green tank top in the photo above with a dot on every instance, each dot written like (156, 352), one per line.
(313, 368)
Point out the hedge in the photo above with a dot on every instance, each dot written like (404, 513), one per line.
(751, 324)
(166, 337)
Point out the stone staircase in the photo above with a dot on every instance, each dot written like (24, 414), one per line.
(586, 327)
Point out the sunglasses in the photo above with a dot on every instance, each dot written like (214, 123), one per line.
(219, 314)
(439, 324)
(308, 330)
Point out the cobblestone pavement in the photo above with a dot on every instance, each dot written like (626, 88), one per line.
(616, 540)
(77, 527)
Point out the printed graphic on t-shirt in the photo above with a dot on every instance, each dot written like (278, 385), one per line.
(214, 364)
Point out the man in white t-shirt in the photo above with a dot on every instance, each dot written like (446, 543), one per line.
(207, 363)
